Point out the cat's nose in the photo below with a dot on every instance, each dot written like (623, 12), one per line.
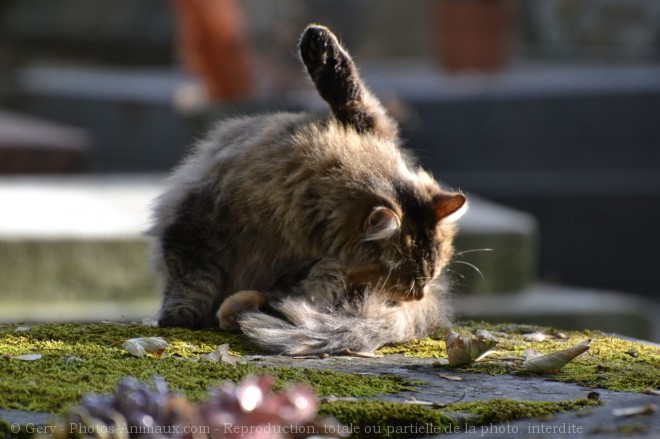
(418, 294)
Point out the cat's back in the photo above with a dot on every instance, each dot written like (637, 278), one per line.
(267, 167)
(283, 150)
(231, 147)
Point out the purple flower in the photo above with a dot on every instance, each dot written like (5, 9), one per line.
(249, 410)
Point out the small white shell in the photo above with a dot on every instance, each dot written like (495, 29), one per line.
(28, 357)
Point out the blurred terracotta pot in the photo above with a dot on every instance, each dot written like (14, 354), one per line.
(472, 34)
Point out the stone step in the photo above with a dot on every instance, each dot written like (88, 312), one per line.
(70, 239)
(567, 307)
(32, 145)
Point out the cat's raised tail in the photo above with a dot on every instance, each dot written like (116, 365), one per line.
(358, 325)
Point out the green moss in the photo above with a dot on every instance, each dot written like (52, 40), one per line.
(380, 418)
(50, 385)
(371, 419)
(425, 348)
(504, 410)
(611, 363)
(629, 429)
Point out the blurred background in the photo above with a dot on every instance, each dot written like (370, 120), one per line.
(546, 112)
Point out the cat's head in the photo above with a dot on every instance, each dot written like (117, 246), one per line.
(400, 233)
(405, 241)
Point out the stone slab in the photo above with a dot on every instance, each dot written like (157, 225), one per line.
(32, 145)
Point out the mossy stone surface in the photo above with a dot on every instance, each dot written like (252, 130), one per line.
(81, 358)
(611, 363)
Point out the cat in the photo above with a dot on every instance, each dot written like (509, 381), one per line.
(310, 233)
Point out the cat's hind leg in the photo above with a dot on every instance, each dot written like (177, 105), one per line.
(338, 82)
(188, 264)
(188, 305)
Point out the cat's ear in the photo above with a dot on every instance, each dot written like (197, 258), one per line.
(338, 82)
(449, 207)
(381, 223)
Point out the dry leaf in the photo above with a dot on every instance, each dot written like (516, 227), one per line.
(221, 354)
(536, 362)
(333, 398)
(150, 345)
(28, 357)
(437, 405)
(70, 359)
(638, 410)
(464, 349)
(450, 377)
(442, 362)
(312, 357)
(535, 337)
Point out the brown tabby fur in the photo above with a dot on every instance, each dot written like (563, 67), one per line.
(323, 217)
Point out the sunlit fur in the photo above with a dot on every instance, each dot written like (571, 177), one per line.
(283, 203)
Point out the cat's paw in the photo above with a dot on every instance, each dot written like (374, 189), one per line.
(319, 47)
(235, 305)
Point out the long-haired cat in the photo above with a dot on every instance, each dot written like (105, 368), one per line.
(310, 233)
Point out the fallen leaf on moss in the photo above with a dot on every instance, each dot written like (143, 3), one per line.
(535, 337)
(71, 359)
(437, 405)
(149, 345)
(465, 349)
(221, 354)
(28, 357)
(536, 362)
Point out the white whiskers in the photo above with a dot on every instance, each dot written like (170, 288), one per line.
(473, 266)
(474, 250)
